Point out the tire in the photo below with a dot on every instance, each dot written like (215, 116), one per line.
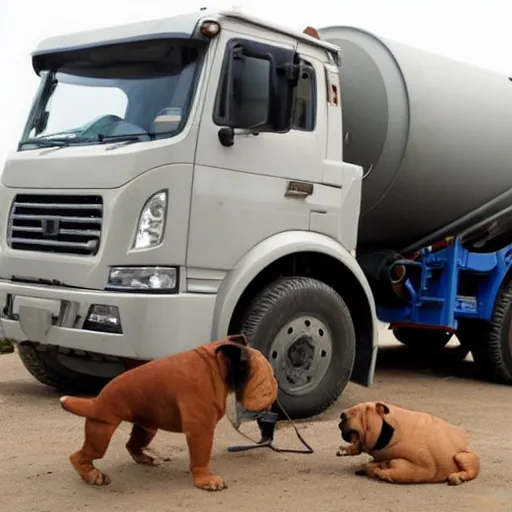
(305, 330)
(491, 342)
(421, 339)
(48, 371)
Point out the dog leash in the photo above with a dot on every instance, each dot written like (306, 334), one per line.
(268, 438)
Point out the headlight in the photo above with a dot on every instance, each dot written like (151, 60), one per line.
(151, 226)
(164, 279)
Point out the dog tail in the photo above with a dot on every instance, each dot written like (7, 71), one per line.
(80, 406)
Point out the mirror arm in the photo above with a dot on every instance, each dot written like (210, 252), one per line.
(227, 135)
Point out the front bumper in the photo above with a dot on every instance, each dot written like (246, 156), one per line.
(152, 325)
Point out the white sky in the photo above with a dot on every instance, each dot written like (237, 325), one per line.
(471, 31)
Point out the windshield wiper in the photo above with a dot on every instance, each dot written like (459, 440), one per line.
(102, 139)
(44, 143)
(133, 137)
(129, 137)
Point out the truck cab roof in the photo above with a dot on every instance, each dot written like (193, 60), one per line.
(182, 26)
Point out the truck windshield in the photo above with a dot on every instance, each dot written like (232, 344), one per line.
(132, 92)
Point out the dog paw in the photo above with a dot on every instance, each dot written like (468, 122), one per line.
(148, 457)
(210, 483)
(454, 480)
(381, 474)
(96, 477)
(342, 452)
(361, 471)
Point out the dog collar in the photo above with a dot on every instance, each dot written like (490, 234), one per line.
(386, 433)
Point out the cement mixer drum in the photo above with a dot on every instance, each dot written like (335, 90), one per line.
(433, 135)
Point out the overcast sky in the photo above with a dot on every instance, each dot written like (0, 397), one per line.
(471, 31)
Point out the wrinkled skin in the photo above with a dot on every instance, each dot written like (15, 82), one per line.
(422, 448)
(186, 393)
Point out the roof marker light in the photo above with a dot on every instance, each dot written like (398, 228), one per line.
(313, 32)
(210, 28)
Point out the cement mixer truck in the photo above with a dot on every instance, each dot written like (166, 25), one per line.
(181, 179)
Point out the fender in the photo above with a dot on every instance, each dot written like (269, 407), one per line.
(268, 251)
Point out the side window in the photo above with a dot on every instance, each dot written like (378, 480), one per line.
(304, 112)
(244, 95)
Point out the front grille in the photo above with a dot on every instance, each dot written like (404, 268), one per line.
(56, 223)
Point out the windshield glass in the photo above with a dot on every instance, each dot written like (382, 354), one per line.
(140, 91)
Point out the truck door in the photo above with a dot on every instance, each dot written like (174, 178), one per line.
(239, 192)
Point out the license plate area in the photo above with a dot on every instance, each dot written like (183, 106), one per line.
(53, 306)
(36, 316)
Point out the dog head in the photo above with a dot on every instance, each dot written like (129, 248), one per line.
(249, 375)
(367, 423)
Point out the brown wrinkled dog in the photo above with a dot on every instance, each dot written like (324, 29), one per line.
(407, 446)
(185, 392)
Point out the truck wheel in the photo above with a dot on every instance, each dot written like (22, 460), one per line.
(491, 342)
(305, 330)
(422, 339)
(48, 371)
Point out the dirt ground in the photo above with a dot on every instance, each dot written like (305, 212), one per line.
(37, 436)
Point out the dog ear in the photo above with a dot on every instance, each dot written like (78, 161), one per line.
(381, 408)
(238, 364)
(240, 339)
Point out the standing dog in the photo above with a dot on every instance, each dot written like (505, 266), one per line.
(185, 392)
(407, 446)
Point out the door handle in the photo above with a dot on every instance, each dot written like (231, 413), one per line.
(298, 189)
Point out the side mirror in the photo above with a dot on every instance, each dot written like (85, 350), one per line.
(258, 91)
(252, 81)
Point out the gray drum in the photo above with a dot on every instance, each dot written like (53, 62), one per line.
(434, 137)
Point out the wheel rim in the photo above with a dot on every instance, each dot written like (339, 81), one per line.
(301, 354)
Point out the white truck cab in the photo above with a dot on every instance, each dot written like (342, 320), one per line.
(178, 180)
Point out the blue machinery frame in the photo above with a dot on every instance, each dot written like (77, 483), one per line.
(449, 284)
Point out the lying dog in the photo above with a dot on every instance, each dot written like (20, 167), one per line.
(407, 446)
(185, 392)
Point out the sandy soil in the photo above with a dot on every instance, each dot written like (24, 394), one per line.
(37, 437)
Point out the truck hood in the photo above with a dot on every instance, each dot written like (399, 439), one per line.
(102, 166)
(118, 225)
